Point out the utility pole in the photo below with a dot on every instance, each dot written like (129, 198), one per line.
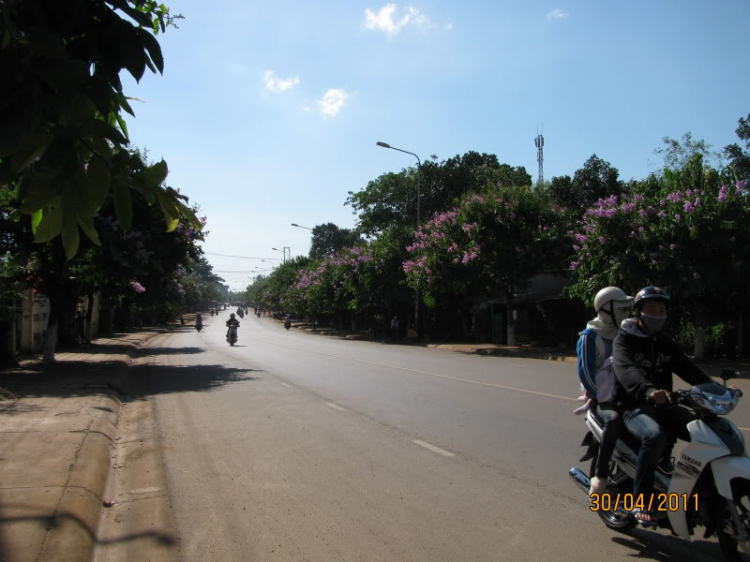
(539, 143)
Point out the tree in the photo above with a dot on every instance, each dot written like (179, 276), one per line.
(328, 238)
(677, 154)
(595, 180)
(391, 199)
(688, 237)
(739, 157)
(63, 129)
(491, 243)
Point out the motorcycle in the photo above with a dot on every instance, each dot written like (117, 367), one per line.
(232, 335)
(287, 324)
(710, 485)
(199, 326)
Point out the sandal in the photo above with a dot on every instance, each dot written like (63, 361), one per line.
(647, 518)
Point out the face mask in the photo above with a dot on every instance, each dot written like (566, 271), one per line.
(653, 324)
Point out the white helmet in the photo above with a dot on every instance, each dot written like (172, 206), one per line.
(619, 304)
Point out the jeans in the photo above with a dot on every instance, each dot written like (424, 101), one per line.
(655, 428)
(612, 426)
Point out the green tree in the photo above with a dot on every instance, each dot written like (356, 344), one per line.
(678, 153)
(491, 243)
(63, 130)
(391, 199)
(739, 156)
(328, 238)
(688, 237)
(595, 180)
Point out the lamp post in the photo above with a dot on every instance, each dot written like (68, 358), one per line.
(419, 166)
(284, 251)
(300, 226)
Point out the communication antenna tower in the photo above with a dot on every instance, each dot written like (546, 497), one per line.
(539, 143)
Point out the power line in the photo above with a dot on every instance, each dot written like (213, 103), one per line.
(240, 257)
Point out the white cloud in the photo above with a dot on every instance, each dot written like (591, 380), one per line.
(448, 26)
(558, 14)
(383, 20)
(277, 85)
(332, 102)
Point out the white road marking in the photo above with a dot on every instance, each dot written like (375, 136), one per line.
(335, 406)
(286, 385)
(516, 365)
(434, 449)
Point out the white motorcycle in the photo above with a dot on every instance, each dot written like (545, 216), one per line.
(232, 335)
(710, 485)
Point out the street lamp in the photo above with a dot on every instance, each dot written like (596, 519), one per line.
(300, 226)
(284, 251)
(419, 166)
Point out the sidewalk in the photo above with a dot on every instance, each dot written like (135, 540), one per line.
(57, 431)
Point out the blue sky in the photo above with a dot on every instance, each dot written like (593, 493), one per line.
(268, 112)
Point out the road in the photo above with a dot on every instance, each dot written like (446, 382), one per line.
(294, 446)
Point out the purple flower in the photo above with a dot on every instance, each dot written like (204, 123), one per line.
(633, 234)
(741, 185)
(138, 287)
(642, 214)
(580, 237)
(697, 202)
(662, 214)
(723, 193)
(676, 217)
(661, 202)
(688, 207)
(576, 248)
(602, 240)
(672, 246)
(641, 229)
(574, 265)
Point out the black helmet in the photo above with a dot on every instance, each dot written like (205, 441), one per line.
(650, 293)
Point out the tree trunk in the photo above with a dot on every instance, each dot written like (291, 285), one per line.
(699, 349)
(89, 318)
(740, 334)
(511, 320)
(8, 344)
(50, 341)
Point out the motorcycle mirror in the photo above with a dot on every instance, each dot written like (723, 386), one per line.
(727, 374)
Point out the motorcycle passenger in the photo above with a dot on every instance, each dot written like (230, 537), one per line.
(232, 323)
(644, 360)
(594, 351)
(198, 321)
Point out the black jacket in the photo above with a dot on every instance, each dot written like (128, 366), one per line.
(642, 363)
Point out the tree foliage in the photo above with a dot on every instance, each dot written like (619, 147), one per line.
(328, 238)
(63, 134)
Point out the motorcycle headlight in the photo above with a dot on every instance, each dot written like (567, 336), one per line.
(716, 403)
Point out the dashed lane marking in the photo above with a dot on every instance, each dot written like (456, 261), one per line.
(434, 449)
(286, 385)
(335, 406)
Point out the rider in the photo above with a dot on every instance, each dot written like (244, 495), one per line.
(644, 360)
(594, 350)
(232, 323)
(198, 319)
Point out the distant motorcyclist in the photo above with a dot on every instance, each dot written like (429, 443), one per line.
(287, 321)
(198, 322)
(232, 323)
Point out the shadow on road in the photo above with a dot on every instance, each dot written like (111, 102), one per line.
(150, 380)
(650, 545)
(69, 522)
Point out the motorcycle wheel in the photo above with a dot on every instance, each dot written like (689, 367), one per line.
(728, 542)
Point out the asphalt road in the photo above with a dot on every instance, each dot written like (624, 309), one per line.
(294, 446)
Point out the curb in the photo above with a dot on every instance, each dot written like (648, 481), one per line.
(76, 523)
(76, 520)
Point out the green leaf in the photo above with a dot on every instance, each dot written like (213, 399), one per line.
(41, 191)
(123, 204)
(123, 126)
(153, 48)
(49, 226)
(30, 148)
(100, 128)
(36, 218)
(70, 235)
(157, 173)
(87, 225)
(94, 187)
(131, 51)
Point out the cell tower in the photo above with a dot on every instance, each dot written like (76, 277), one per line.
(539, 143)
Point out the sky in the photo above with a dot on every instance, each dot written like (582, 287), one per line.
(268, 113)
